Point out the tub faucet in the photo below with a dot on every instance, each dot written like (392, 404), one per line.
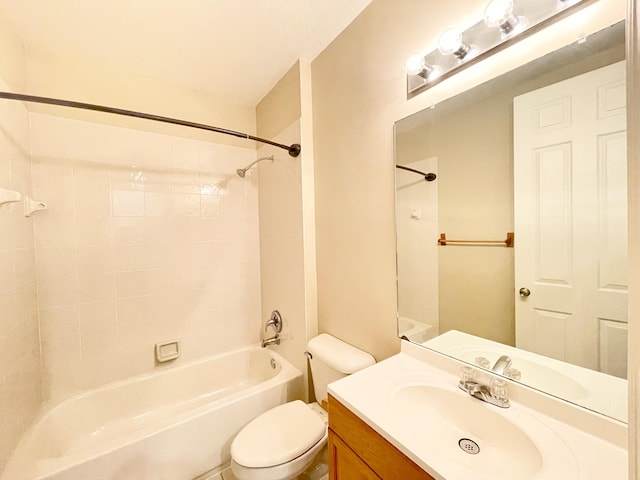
(502, 363)
(275, 340)
(274, 321)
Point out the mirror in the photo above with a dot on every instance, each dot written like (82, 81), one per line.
(540, 153)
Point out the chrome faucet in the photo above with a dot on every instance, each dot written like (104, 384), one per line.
(500, 365)
(275, 321)
(496, 394)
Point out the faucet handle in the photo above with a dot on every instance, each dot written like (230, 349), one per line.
(499, 389)
(483, 362)
(274, 321)
(513, 373)
(467, 374)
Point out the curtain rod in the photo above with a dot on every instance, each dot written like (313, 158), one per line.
(429, 177)
(294, 149)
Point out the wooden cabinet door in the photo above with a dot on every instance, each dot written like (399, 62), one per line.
(380, 458)
(344, 464)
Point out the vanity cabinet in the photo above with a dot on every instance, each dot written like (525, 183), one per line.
(357, 452)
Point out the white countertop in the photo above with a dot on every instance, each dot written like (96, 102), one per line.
(560, 449)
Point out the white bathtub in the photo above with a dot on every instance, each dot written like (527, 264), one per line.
(172, 425)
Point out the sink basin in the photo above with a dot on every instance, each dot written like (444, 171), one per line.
(482, 440)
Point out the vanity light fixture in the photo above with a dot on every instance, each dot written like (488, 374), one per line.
(499, 13)
(504, 22)
(451, 43)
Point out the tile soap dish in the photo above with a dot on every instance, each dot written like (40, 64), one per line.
(167, 351)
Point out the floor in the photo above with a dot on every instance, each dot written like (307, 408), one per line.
(318, 470)
(228, 475)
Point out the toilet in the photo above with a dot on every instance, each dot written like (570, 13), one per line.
(281, 443)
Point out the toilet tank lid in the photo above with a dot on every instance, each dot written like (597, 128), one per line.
(339, 355)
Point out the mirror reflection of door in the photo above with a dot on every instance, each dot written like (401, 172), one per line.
(570, 188)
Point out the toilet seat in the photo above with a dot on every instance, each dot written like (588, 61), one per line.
(278, 436)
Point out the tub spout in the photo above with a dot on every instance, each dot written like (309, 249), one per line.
(275, 340)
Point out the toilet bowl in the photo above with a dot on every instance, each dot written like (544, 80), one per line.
(283, 442)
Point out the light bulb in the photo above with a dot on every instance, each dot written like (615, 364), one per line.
(499, 13)
(415, 65)
(450, 43)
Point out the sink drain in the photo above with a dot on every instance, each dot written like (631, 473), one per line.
(469, 446)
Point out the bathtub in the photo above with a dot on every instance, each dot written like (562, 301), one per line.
(172, 425)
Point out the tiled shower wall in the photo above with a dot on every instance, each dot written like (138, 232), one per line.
(20, 383)
(146, 238)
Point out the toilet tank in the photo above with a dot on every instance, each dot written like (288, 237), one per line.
(333, 359)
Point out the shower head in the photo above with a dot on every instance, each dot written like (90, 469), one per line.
(243, 171)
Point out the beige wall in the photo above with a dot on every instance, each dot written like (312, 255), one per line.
(358, 81)
(281, 107)
(284, 248)
(20, 382)
(48, 77)
(359, 91)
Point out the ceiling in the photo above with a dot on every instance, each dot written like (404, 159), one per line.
(235, 48)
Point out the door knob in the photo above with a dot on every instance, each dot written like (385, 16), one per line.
(524, 292)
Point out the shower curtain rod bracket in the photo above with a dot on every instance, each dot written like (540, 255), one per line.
(294, 150)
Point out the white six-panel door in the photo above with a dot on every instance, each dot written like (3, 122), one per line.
(570, 200)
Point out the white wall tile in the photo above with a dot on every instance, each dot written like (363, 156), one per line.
(158, 204)
(130, 257)
(96, 287)
(56, 261)
(149, 237)
(97, 316)
(20, 375)
(132, 283)
(95, 259)
(128, 203)
(60, 321)
(57, 291)
(93, 231)
(129, 230)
